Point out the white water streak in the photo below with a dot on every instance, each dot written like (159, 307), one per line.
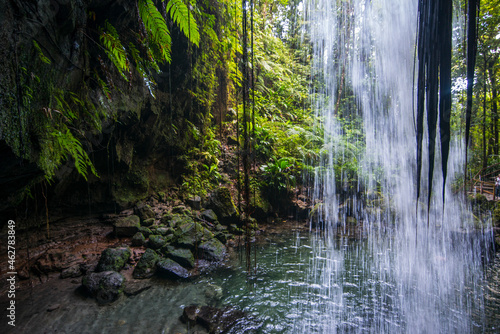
(410, 275)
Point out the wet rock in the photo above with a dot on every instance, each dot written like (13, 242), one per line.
(182, 256)
(127, 226)
(144, 212)
(209, 215)
(181, 209)
(138, 239)
(215, 320)
(53, 307)
(146, 266)
(105, 286)
(166, 218)
(157, 241)
(222, 204)
(72, 272)
(213, 292)
(136, 287)
(195, 202)
(212, 250)
(164, 231)
(148, 222)
(113, 259)
(171, 269)
(145, 231)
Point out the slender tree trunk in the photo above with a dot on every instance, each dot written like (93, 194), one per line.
(485, 155)
(494, 105)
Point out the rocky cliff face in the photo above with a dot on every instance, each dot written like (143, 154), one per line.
(135, 147)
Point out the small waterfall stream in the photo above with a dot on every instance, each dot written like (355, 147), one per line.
(413, 273)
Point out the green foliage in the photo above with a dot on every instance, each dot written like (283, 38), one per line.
(180, 14)
(157, 30)
(201, 164)
(279, 175)
(114, 49)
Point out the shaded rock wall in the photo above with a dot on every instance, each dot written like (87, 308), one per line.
(136, 152)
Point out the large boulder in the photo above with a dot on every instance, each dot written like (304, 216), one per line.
(157, 241)
(222, 204)
(209, 215)
(146, 266)
(113, 259)
(138, 239)
(182, 256)
(127, 226)
(144, 212)
(105, 286)
(171, 269)
(188, 234)
(212, 250)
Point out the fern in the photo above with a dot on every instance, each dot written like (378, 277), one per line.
(180, 14)
(156, 27)
(114, 49)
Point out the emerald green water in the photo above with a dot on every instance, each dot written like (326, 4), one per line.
(304, 283)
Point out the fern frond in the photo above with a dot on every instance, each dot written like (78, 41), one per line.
(156, 27)
(180, 14)
(114, 49)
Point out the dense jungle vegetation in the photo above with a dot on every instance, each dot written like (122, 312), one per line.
(107, 103)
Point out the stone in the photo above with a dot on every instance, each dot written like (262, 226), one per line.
(215, 320)
(136, 287)
(181, 209)
(145, 231)
(182, 256)
(209, 215)
(212, 250)
(222, 204)
(146, 266)
(213, 292)
(157, 241)
(164, 231)
(72, 272)
(195, 202)
(148, 222)
(222, 237)
(126, 226)
(113, 259)
(105, 286)
(53, 307)
(171, 269)
(144, 212)
(138, 239)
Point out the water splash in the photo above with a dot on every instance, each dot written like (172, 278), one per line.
(418, 269)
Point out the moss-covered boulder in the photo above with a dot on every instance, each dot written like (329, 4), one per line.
(209, 215)
(165, 219)
(182, 256)
(157, 241)
(145, 231)
(188, 234)
(222, 204)
(148, 222)
(126, 226)
(144, 212)
(212, 250)
(113, 259)
(181, 209)
(170, 269)
(105, 286)
(146, 266)
(164, 230)
(138, 239)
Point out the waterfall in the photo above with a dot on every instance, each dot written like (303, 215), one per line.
(412, 269)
